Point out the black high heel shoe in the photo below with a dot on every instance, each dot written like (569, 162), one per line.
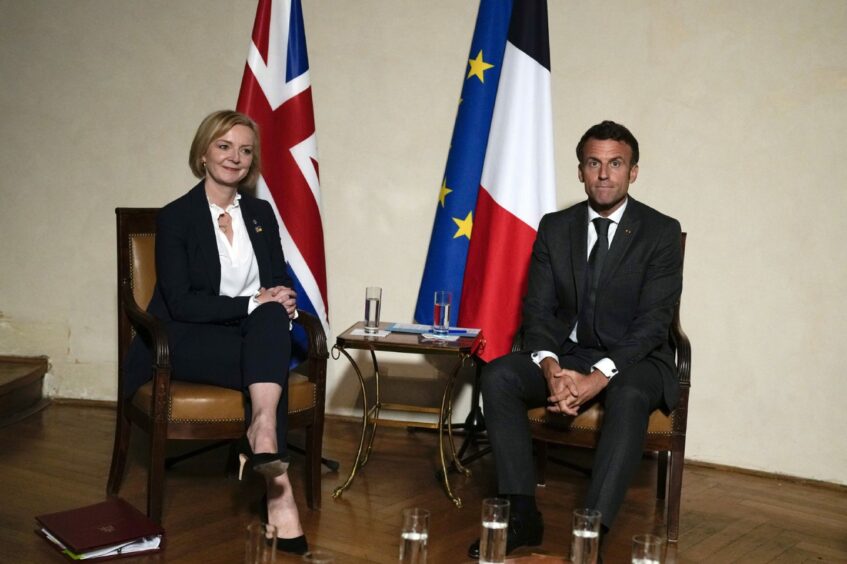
(296, 545)
(269, 464)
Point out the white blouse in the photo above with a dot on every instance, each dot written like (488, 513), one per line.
(239, 270)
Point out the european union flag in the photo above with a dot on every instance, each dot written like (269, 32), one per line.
(457, 197)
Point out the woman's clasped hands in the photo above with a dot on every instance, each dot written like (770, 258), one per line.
(280, 294)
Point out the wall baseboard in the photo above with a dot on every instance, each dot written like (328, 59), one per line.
(769, 475)
(81, 402)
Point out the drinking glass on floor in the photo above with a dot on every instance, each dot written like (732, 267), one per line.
(495, 526)
(647, 549)
(585, 542)
(413, 538)
(260, 544)
(318, 557)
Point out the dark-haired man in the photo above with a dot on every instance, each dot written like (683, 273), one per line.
(604, 277)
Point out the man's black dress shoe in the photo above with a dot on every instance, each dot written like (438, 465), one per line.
(522, 532)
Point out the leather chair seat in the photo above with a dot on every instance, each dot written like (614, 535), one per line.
(195, 402)
(592, 419)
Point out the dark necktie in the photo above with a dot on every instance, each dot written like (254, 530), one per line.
(585, 332)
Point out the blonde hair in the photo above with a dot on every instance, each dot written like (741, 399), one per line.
(213, 127)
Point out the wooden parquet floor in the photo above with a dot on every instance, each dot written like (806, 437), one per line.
(59, 458)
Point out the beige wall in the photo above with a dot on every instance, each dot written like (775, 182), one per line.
(740, 110)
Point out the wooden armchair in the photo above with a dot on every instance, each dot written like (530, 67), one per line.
(168, 409)
(665, 432)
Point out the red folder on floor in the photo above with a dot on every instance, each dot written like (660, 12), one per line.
(109, 529)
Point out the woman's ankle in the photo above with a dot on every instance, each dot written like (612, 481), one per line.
(262, 436)
(284, 515)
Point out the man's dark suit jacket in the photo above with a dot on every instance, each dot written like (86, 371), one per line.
(638, 288)
(188, 271)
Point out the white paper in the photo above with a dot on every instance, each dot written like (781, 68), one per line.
(145, 543)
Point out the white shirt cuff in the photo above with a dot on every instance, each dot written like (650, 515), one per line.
(538, 356)
(252, 303)
(606, 366)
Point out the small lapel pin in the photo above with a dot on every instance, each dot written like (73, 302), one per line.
(258, 229)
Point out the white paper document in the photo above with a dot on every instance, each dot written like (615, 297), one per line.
(138, 545)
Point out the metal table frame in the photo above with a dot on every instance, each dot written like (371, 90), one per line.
(463, 350)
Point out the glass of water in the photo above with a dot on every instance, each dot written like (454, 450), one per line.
(373, 303)
(414, 536)
(647, 549)
(260, 545)
(493, 533)
(585, 542)
(319, 557)
(441, 312)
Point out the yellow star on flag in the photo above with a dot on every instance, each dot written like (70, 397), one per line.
(478, 67)
(465, 226)
(444, 191)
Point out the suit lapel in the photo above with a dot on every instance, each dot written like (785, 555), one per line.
(205, 232)
(255, 230)
(579, 253)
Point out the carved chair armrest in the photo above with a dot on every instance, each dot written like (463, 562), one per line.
(147, 324)
(317, 353)
(682, 346)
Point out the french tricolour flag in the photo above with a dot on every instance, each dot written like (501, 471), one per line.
(499, 175)
(276, 92)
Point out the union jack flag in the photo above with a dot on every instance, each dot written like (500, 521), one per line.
(276, 92)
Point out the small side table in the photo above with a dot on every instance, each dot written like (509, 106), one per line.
(463, 349)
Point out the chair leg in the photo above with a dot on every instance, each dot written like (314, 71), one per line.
(314, 442)
(662, 474)
(119, 452)
(677, 460)
(156, 475)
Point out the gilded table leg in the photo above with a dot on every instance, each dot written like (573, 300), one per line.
(360, 460)
(444, 416)
(457, 461)
(373, 418)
